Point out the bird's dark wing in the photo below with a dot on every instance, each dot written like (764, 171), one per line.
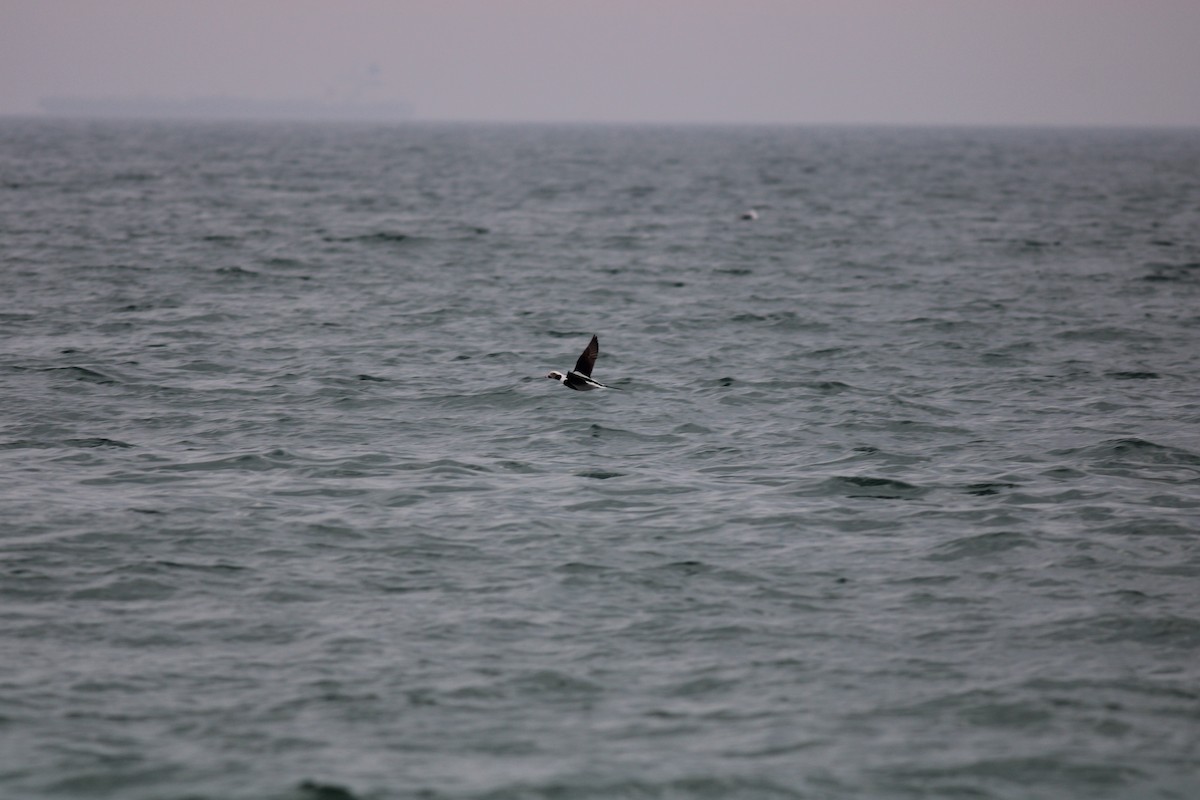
(588, 359)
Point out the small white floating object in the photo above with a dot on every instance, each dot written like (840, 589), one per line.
(750, 213)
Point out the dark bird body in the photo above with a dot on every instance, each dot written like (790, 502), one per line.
(580, 378)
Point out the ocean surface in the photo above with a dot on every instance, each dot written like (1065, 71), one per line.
(896, 494)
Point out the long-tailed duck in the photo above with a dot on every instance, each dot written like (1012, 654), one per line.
(580, 378)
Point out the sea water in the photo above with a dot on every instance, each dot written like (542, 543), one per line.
(896, 494)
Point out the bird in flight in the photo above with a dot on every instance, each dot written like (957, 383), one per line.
(580, 378)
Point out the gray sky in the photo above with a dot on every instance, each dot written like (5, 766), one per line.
(1073, 62)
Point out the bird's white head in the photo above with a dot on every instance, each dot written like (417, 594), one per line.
(555, 376)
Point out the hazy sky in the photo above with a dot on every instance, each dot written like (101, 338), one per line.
(1091, 62)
